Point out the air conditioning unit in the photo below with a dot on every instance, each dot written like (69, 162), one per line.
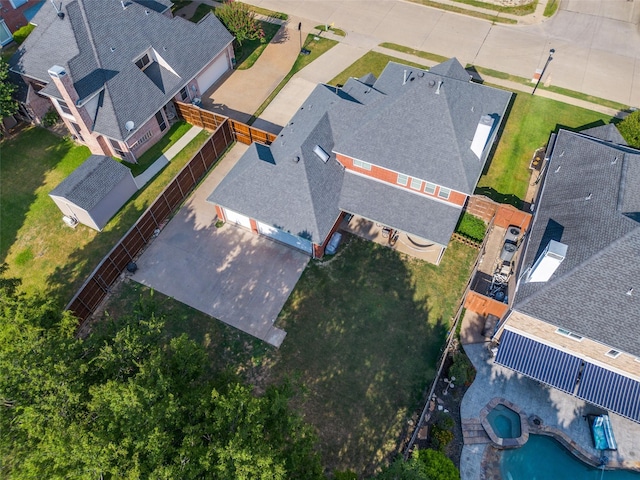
(70, 221)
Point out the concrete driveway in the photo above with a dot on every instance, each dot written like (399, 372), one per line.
(229, 273)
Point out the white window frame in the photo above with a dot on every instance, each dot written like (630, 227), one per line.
(361, 164)
(430, 188)
(568, 334)
(59, 104)
(146, 54)
(444, 193)
(613, 353)
(416, 184)
(402, 179)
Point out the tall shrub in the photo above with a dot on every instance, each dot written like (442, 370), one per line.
(239, 20)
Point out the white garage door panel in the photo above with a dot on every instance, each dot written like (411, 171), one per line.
(213, 73)
(238, 219)
(284, 237)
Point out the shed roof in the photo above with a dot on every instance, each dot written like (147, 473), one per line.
(91, 182)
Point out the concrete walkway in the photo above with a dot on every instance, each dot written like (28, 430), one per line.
(146, 176)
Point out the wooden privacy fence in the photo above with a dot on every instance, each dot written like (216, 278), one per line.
(206, 119)
(96, 287)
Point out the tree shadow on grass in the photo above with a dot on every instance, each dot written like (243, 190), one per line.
(26, 159)
(363, 340)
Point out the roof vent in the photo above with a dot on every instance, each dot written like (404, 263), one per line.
(321, 153)
(59, 11)
(432, 83)
(124, 6)
(614, 161)
(438, 89)
(57, 71)
(588, 197)
(296, 159)
(630, 291)
(548, 262)
(421, 74)
(558, 169)
(113, 49)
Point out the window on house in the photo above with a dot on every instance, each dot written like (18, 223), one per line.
(430, 188)
(567, 333)
(416, 184)
(612, 353)
(17, 3)
(184, 94)
(403, 179)
(64, 108)
(76, 129)
(444, 193)
(117, 148)
(143, 62)
(361, 164)
(161, 121)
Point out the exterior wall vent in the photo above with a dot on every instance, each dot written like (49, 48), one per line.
(548, 262)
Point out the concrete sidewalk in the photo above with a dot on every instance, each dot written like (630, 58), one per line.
(146, 176)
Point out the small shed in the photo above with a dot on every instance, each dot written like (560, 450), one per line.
(95, 191)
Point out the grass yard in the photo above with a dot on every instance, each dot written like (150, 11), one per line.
(174, 134)
(46, 255)
(493, 18)
(364, 332)
(530, 122)
(250, 51)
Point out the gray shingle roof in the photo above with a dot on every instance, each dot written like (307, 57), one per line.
(91, 182)
(299, 197)
(425, 134)
(98, 42)
(384, 124)
(399, 209)
(589, 185)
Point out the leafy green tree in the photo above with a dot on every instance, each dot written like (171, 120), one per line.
(423, 465)
(8, 106)
(630, 129)
(240, 21)
(129, 402)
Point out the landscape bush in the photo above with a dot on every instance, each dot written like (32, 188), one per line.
(461, 369)
(630, 129)
(472, 227)
(442, 432)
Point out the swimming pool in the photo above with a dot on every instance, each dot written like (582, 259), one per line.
(504, 421)
(543, 458)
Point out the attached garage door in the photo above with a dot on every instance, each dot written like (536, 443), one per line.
(213, 73)
(234, 217)
(284, 237)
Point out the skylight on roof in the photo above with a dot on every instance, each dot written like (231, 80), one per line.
(320, 152)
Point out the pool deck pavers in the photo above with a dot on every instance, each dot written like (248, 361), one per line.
(560, 413)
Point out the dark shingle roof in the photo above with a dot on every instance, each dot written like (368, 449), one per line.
(91, 182)
(385, 123)
(399, 209)
(425, 134)
(589, 199)
(98, 42)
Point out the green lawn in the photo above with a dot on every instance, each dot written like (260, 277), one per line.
(494, 18)
(250, 51)
(39, 249)
(364, 333)
(529, 124)
(174, 134)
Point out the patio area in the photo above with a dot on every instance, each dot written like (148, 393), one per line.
(378, 233)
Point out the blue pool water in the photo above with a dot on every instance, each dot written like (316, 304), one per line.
(542, 458)
(505, 422)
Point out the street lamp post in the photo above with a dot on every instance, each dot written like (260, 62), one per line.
(551, 52)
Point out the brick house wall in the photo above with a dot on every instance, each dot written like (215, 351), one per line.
(391, 177)
(14, 17)
(318, 250)
(586, 348)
